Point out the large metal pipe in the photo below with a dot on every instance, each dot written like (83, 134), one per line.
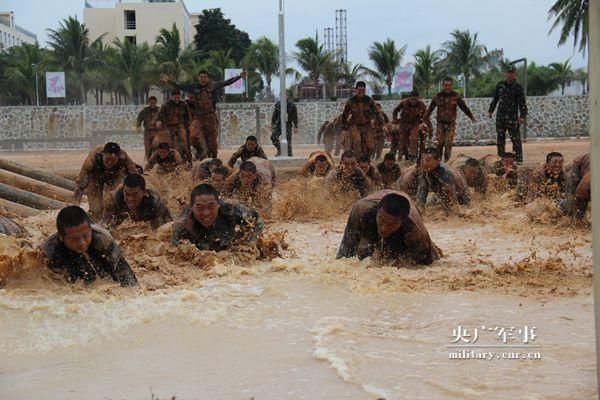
(594, 104)
(36, 174)
(17, 209)
(29, 199)
(31, 185)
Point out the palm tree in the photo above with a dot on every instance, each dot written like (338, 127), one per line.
(312, 57)
(221, 60)
(464, 55)
(352, 74)
(573, 16)
(581, 76)
(563, 73)
(71, 46)
(263, 57)
(426, 69)
(132, 63)
(387, 58)
(171, 58)
(24, 63)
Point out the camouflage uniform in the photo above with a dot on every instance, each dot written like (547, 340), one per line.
(203, 129)
(236, 224)
(338, 182)
(388, 176)
(357, 117)
(292, 121)
(446, 104)
(543, 184)
(148, 117)
(411, 117)
(167, 164)
(361, 237)
(447, 183)
(480, 182)
(175, 118)
(510, 98)
(408, 182)
(243, 153)
(578, 187)
(152, 209)
(382, 121)
(102, 259)
(95, 177)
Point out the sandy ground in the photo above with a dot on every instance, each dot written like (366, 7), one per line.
(303, 325)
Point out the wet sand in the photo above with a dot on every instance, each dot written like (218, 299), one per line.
(304, 325)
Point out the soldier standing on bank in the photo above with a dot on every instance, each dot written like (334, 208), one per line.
(359, 119)
(512, 111)
(412, 112)
(147, 117)
(203, 129)
(292, 122)
(174, 116)
(447, 101)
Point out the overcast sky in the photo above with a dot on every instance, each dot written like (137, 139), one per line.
(520, 27)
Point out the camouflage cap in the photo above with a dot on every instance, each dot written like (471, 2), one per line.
(511, 68)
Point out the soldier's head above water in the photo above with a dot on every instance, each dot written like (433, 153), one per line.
(152, 101)
(348, 162)
(204, 203)
(554, 162)
(508, 160)
(110, 154)
(364, 163)
(430, 159)
(251, 143)
(74, 229)
(134, 190)
(389, 160)
(247, 173)
(218, 178)
(392, 210)
(163, 150)
(176, 95)
(471, 169)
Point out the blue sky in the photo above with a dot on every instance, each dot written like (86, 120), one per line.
(520, 27)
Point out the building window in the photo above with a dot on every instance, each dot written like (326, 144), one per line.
(130, 39)
(129, 19)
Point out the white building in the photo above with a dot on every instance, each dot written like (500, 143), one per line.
(12, 34)
(137, 20)
(573, 88)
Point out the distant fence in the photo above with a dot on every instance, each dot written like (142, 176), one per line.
(80, 127)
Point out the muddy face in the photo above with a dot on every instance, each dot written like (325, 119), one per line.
(203, 79)
(251, 145)
(77, 238)
(348, 166)
(218, 181)
(321, 167)
(555, 165)
(247, 178)
(471, 173)
(429, 163)
(387, 224)
(163, 153)
(133, 197)
(364, 166)
(508, 163)
(205, 209)
(109, 160)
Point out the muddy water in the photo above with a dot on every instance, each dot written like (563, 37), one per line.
(306, 326)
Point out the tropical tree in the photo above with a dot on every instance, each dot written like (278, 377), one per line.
(263, 57)
(581, 76)
(572, 18)
(215, 32)
(426, 69)
(170, 56)
(312, 57)
(221, 60)
(387, 58)
(541, 80)
(132, 63)
(563, 73)
(352, 74)
(464, 55)
(71, 46)
(24, 64)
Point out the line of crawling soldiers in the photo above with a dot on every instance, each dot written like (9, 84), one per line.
(228, 207)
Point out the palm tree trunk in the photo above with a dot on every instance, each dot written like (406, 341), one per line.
(562, 92)
(466, 85)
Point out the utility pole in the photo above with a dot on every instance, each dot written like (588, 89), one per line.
(37, 92)
(282, 95)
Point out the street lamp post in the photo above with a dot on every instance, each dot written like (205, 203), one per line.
(282, 95)
(37, 92)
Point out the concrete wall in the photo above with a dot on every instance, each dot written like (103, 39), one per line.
(549, 117)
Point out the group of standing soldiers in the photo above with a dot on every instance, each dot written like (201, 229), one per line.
(362, 124)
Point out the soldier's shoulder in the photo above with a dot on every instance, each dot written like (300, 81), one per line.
(50, 245)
